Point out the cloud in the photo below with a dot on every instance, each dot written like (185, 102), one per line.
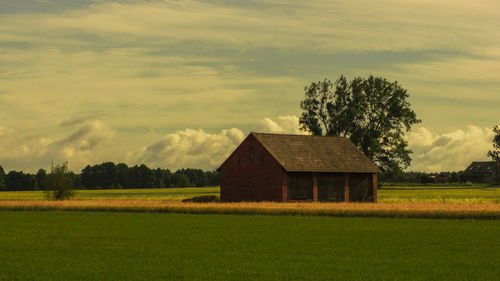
(337, 25)
(88, 136)
(169, 65)
(193, 148)
(77, 120)
(93, 141)
(89, 143)
(5, 132)
(451, 151)
(285, 124)
(223, 64)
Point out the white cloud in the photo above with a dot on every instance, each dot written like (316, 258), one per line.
(199, 149)
(92, 142)
(192, 148)
(86, 145)
(285, 124)
(451, 151)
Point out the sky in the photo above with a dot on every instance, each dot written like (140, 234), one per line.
(176, 84)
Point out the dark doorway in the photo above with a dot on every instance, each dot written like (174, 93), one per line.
(360, 187)
(300, 186)
(331, 187)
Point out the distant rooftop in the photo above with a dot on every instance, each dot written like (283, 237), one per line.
(481, 167)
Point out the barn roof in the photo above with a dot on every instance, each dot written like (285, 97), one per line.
(481, 167)
(303, 153)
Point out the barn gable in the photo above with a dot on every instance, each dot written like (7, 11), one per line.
(251, 173)
(249, 141)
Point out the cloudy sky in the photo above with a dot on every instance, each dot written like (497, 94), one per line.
(180, 83)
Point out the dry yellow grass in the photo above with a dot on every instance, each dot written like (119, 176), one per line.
(408, 209)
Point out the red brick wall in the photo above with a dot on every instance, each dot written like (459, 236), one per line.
(251, 174)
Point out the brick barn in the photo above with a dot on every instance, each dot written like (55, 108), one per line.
(483, 172)
(275, 167)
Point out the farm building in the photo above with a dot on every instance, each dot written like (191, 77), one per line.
(483, 172)
(274, 167)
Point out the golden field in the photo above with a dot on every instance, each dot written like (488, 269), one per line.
(407, 209)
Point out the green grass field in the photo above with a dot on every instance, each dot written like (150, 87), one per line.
(154, 246)
(440, 193)
(388, 194)
(174, 194)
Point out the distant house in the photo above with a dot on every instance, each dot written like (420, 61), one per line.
(274, 167)
(441, 179)
(483, 172)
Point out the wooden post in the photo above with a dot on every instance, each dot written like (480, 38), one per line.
(315, 188)
(374, 187)
(346, 187)
(284, 189)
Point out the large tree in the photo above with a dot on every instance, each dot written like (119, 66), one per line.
(372, 112)
(495, 152)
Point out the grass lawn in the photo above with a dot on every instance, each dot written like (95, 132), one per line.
(440, 193)
(174, 194)
(152, 246)
(388, 194)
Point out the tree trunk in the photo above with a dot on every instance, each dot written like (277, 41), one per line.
(497, 172)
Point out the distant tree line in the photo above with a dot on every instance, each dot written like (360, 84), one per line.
(109, 175)
(423, 177)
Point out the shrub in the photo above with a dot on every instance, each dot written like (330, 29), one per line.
(59, 183)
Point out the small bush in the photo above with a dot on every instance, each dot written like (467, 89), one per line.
(203, 199)
(59, 183)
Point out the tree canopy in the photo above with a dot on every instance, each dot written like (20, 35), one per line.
(41, 179)
(372, 112)
(109, 175)
(495, 152)
(2, 177)
(20, 180)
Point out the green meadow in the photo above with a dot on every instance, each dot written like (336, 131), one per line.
(477, 193)
(159, 246)
(389, 194)
(101, 245)
(171, 194)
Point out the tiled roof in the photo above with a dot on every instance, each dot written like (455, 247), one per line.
(481, 167)
(302, 153)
